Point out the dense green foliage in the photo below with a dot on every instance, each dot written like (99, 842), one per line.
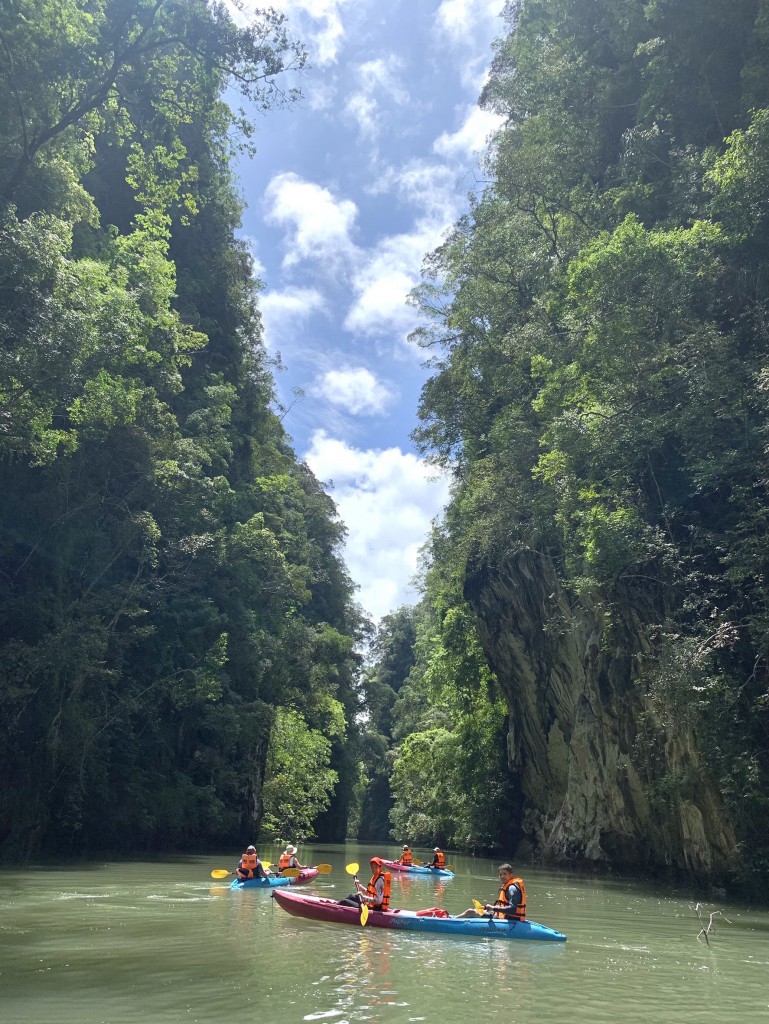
(175, 620)
(435, 741)
(598, 327)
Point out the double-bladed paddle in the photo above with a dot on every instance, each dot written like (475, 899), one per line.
(352, 869)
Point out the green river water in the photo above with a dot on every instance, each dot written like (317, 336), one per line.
(161, 942)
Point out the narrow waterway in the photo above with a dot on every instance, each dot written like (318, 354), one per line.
(161, 942)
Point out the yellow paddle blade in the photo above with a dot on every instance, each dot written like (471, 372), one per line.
(290, 873)
(219, 873)
(479, 907)
(266, 863)
(418, 863)
(324, 869)
(352, 869)
(363, 914)
(449, 867)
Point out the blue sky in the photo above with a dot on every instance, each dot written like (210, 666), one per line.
(347, 193)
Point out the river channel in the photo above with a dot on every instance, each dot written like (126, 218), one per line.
(161, 942)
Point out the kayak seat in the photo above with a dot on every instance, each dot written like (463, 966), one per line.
(433, 912)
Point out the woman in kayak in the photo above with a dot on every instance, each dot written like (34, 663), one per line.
(510, 903)
(288, 859)
(249, 865)
(406, 859)
(376, 894)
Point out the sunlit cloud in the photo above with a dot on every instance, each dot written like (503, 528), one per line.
(355, 390)
(471, 138)
(284, 312)
(387, 499)
(461, 20)
(318, 225)
(318, 23)
(379, 87)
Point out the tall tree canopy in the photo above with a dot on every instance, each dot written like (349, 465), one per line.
(598, 333)
(173, 605)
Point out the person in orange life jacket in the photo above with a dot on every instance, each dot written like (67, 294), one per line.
(439, 861)
(376, 894)
(406, 859)
(510, 903)
(249, 865)
(288, 859)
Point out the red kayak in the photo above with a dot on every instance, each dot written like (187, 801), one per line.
(319, 908)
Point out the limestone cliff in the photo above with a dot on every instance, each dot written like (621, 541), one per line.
(600, 779)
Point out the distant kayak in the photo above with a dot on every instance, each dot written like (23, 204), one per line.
(274, 881)
(413, 869)
(320, 908)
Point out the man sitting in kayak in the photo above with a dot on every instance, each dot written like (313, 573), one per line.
(510, 903)
(439, 861)
(288, 859)
(405, 858)
(250, 866)
(376, 894)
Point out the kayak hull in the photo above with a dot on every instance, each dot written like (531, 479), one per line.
(319, 908)
(275, 881)
(393, 865)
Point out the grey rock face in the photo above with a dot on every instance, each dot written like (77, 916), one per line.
(602, 780)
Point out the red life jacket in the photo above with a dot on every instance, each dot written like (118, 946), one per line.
(520, 911)
(439, 861)
(248, 865)
(371, 889)
(406, 858)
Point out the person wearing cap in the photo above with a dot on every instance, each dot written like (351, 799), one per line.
(288, 859)
(405, 858)
(510, 903)
(249, 865)
(376, 894)
(439, 861)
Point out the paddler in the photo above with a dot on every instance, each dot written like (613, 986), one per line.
(439, 860)
(289, 859)
(406, 858)
(376, 894)
(511, 899)
(250, 866)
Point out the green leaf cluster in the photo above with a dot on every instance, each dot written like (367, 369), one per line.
(597, 329)
(176, 619)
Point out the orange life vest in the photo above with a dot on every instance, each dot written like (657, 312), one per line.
(439, 861)
(285, 861)
(406, 858)
(248, 864)
(371, 889)
(520, 911)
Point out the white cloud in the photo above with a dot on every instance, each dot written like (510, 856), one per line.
(318, 23)
(461, 19)
(470, 139)
(356, 390)
(387, 499)
(378, 80)
(318, 224)
(393, 268)
(283, 311)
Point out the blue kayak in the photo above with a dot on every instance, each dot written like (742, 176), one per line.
(320, 908)
(414, 869)
(274, 881)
